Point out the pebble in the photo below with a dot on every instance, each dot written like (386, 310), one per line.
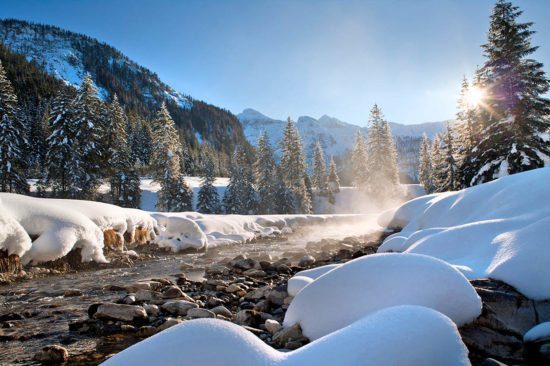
(170, 322)
(223, 311)
(272, 326)
(306, 261)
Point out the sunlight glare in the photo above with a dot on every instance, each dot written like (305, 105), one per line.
(474, 96)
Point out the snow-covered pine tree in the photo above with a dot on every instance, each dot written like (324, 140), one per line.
(319, 179)
(87, 126)
(174, 194)
(383, 177)
(333, 179)
(285, 200)
(140, 138)
(425, 167)
(59, 151)
(293, 167)
(266, 177)
(515, 136)
(438, 161)
(12, 140)
(448, 172)
(240, 196)
(208, 199)
(465, 122)
(359, 161)
(123, 177)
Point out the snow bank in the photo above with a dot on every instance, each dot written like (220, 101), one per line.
(177, 232)
(371, 283)
(498, 230)
(55, 229)
(421, 335)
(13, 238)
(304, 278)
(538, 332)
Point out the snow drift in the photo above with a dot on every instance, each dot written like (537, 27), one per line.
(13, 238)
(498, 229)
(368, 284)
(423, 337)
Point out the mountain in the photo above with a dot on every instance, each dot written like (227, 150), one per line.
(337, 136)
(67, 56)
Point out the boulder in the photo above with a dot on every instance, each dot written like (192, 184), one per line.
(178, 307)
(197, 313)
(52, 354)
(122, 312)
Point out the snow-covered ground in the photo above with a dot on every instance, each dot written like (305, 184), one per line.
(499, 230)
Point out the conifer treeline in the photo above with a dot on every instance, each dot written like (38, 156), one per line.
(503, 119)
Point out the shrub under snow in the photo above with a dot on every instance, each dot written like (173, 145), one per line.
(498, 230)
(402, 335)
(371, 283)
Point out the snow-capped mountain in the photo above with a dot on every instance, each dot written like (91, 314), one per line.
(337, 136)
(68, 56)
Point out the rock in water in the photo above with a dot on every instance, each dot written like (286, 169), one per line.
(121, 312)
(52, 354)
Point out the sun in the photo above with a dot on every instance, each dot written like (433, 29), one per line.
(474, 96)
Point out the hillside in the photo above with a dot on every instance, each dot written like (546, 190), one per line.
(67, 56)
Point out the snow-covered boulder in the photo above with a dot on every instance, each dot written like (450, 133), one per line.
(498, 229)
(371, 283)
(55, 229)
(420, 335)
(538, 332)
(178, 232)
(13, 238)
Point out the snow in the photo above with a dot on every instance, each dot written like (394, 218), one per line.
(498, 230)
(371, 283)
(13, 238)
(57, 229)
(304, 278)
(178, 233)
(538, 332)
(423, 337)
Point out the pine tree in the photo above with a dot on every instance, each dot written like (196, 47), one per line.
(438, 162)
(425, 167)
(265, 174)
(87, 145)
(240, 195)
(293, 167)
(285, 200)
(319, 179)
(449, 168)
(383, 177)
(12, 140)
(333, 179)
(359, 161)
(208, 198)
(124, 180)
(174, 194)
(59, 152)
(513, 139)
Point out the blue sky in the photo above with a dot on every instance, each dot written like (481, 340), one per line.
(299, 57)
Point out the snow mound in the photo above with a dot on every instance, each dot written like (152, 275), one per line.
(371, 283)
(498, 229)
(423, 336)
(304, 278)
(177, 233)
(538, 332)
(55, 229)
(13, 238)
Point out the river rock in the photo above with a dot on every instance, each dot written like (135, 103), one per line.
(258, 293)
(253, 272)
(246, 264)
(146, 331)
(277, 295)
(147, 295)
(170, 322)
(178, 307)
(197, 313)
(306, 261)
(285, 334)
(120, 312)
(272, 326)
(222, 310)
(248, 317)
(152, 310)
(234, 287)
(173, 292)
(52, 354)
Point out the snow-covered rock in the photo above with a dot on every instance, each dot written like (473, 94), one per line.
(371, 283)
(304, 278)
(498, 229)
(178, 233)
(422, 336)
(13, 238)
(55, 228)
